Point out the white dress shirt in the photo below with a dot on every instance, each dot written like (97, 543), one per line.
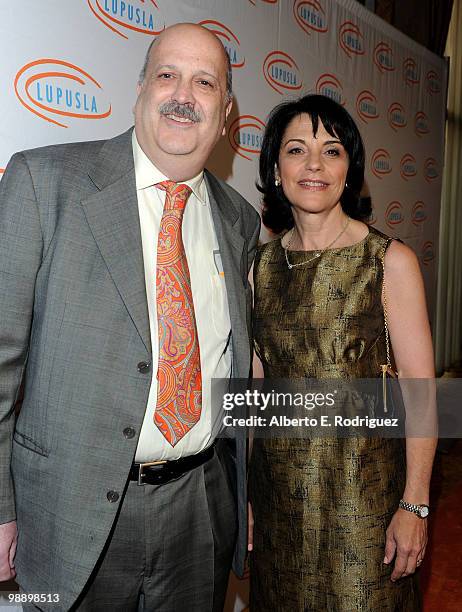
(210, 305)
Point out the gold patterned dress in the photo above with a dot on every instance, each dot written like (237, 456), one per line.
(322, 506)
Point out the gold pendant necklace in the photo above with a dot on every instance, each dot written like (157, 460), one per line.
(317, 254)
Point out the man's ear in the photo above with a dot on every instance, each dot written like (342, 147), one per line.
(229, 106)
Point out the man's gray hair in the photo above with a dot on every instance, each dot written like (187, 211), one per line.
(229, 71)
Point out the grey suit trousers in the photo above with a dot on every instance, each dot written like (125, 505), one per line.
(170, 548)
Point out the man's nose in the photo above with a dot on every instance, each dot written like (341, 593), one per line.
(183, 92)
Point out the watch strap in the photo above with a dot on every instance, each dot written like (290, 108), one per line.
(415, 508)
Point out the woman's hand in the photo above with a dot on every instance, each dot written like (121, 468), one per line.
(250, 527)
(8, 541)
(407, 538)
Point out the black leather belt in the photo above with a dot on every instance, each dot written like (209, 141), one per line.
(161, 472)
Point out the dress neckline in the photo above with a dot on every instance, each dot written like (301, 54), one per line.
(332, 250)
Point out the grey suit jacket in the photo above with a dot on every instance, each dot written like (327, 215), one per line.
(74, 324)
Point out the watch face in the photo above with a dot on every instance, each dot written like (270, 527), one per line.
(423, 511)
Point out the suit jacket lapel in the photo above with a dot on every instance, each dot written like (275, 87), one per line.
(232, 246)
(112, 214)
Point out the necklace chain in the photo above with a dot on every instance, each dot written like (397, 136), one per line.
(318, 252)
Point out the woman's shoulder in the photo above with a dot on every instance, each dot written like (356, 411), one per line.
(268, 248)
(400, 258)
(397, 255)
(393, 247)
(379, 236)
(379, 242)
(266, 252)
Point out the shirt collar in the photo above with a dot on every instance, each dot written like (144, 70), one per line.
(147, 175)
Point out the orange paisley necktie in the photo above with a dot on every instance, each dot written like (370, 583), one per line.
(179, 386)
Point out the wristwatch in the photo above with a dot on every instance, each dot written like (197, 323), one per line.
(422, 510)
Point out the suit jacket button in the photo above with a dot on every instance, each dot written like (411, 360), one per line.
(129, 433)
(112, 496)
(143, 367)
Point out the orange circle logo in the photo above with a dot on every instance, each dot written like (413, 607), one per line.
(421, 124)
(418, 214)
(396, 116)
(366, 106)
(329, 85)
(310, 15)
(350, 39)
(427, 253)
(383, 57)
(281, 72)
(229, 40)
(411, 74)
(394, 214)
(122, 17)
(408, 166)
(433, 82)
(431, 169)
(57, 91)
(245, 136)
(381, 163)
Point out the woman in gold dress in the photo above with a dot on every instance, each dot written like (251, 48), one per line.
(339, 524)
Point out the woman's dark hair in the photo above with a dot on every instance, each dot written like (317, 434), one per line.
(277, 211)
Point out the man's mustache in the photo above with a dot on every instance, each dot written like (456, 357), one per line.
(181, 110)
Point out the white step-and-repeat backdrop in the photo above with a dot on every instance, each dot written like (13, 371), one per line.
(69, 72)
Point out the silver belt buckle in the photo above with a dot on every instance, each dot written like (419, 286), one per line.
(145, 465)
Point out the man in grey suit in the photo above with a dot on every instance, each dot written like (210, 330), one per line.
(113, 504)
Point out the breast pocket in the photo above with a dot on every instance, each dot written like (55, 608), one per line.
(220, 309)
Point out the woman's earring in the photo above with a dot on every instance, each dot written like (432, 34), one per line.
(277, 181)
(346, 185)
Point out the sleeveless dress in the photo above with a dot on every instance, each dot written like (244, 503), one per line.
(321, 506)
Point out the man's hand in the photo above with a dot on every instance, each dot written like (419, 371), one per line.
(8, 540)
(407, 538)
(250, 528)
